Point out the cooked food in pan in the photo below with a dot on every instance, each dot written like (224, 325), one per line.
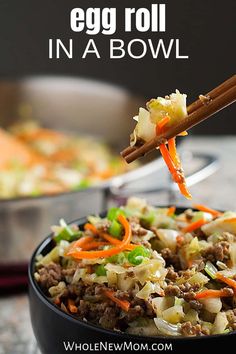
(36, 161)
(146, 270)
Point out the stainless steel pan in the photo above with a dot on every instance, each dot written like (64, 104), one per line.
(68, 104)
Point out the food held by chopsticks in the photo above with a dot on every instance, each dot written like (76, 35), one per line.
(160, 114)
(165, 118)
(145, 270)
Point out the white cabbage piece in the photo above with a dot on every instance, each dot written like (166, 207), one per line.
(125, 282)
(173, 106)
(173, 314)
(220, 323)
(221, 224)
(145, 128)
(161, 304)
(148, 289)
(134, 203)
(166, 328)
(57, 290)
(168, 238)
(212, 305)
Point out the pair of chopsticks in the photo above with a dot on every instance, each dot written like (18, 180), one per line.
(203, 108)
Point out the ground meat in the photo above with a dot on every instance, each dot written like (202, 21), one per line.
(196, 305)
(109, 318)
(137, 229)
(49, 275)
(217, 252)
(189, 291)
(231, 317)
(227, 236)
(186, 287)
(134, 312)
(171, 258)
(172, 275)
(173, 290)
(188, 329)
(122, 295)
(103, 226)
(189, 214)
(149, 310)
(76, 290)
(68, 271)
(190, 295)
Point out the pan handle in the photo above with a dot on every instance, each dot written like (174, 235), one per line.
(209, 165)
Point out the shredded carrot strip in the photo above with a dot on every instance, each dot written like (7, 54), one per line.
(212, 293)
(93, 245)
(173, 152)
(194, 225)
(204, 208)
(226, 280)
(161, 124)
(116, 242)
(79, 244)
(184, 190)
(170, 164)
(71, 306)
(172, 160)
(91, 227)
(109, 252)
(171, 211)
(124, 304)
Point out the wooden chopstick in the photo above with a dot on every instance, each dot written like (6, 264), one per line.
(217, 91)
(217, 99)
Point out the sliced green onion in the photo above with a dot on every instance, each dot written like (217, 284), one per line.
(66, 233)
(113, 213)
(100, 270)
(115, 229)
(119, 258)
(210, 269)
(137, 256)
(148, 219)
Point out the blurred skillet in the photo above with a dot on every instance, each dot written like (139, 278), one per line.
(69, 104)
(52, 326)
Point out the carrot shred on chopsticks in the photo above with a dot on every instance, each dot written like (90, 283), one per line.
(172, 159)
(204, 208)
(71, 306)
(206, 294)
(124, 304)
(226, 280)
(111, 251)
(194, 225)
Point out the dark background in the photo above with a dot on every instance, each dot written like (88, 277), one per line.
(206, 29)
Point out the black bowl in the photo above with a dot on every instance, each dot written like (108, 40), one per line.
(58, 333)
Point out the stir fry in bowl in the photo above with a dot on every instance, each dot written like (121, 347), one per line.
(37, 161)
(146, 270)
